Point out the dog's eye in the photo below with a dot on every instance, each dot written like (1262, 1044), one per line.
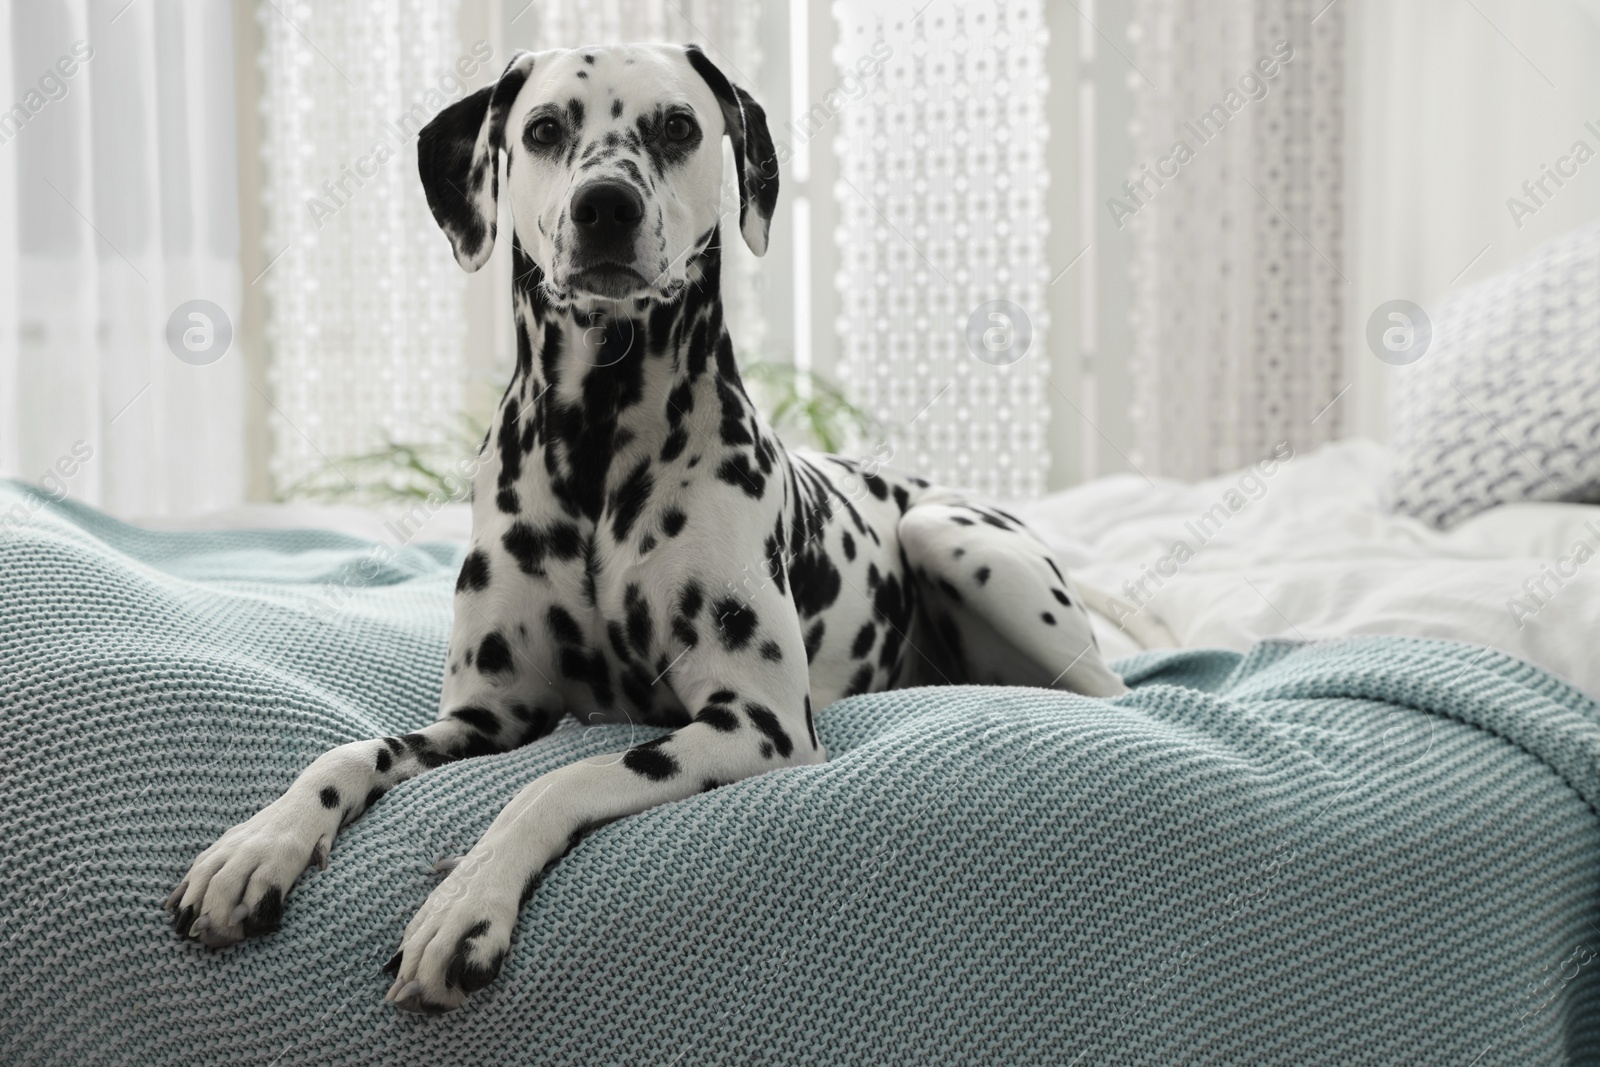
(547, 131)
(679, 128)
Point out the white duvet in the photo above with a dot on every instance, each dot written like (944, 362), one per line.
(1304, 549)
(1301, 549)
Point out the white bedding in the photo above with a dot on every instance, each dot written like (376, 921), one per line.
(1312, 554)
(1309, 553)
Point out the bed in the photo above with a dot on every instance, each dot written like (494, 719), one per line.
(1347, 812)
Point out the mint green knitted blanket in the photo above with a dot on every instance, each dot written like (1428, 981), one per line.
(1378, 850)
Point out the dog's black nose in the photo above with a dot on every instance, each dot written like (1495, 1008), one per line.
(607, 211)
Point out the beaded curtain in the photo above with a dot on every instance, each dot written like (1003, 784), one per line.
(364, 315)
(1238, 287)
(941, 196)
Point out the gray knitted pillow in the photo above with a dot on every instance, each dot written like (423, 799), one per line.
(1504, 406)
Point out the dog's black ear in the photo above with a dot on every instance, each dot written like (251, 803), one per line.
(458, 157)
(755, 162)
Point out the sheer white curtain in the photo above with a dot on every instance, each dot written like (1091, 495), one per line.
(1236, 204)
(118, 206)
(1446, 135)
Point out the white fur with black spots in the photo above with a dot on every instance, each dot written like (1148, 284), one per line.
(644, 549)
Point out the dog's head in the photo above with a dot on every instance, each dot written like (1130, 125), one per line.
(614, 166)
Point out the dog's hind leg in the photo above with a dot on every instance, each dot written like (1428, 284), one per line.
(1001, 607)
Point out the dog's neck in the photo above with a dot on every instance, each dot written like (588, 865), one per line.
(603, 386)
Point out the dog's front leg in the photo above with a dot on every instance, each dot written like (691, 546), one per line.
(752, 692)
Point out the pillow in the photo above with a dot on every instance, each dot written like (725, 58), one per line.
(1504, 405)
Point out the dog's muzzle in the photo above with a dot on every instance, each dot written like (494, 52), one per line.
(607, 215)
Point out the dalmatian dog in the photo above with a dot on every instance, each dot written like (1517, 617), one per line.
(644, 550)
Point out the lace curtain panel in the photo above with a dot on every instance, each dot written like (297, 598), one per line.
(942, 323)
(1235, 207)
(364, 320)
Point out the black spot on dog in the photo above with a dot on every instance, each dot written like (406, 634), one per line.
(494, 655)
(467, 976)
(616, 108)
(672, 522)
(849, 544)
(771, 652)
(736, 471)
(814, 639)
(648, 761)
(373, 796)
(864, 641)
(764, 720)
(563, 627)
(684, 631)
(329, 797)
(474, 572)
(590, 667)
(591, 568)
(690, 599)
(396, 745)
(733, 428)
(385, 761)
(529, 545)
(723, 696)
(902, 499)
(737, 621)
(719, 717)
(1061, 598)
(646, 543)
(961, 520)
(1049, 619)
(709, 784)
(619, 641)
(815, 582)
(674, 445)
(508, 501)
(640, 627)
(630, 498)
(982, 576)
(480, 719)
(267, 916)
(680, 402)
(876, 485)
(424, 751)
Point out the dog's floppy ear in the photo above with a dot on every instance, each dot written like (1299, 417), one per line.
(754, 160)
(458, 157)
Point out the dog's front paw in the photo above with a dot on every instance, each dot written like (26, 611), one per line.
(235, 889)
(456, 942)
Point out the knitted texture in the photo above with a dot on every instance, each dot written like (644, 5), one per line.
(1378, 850)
